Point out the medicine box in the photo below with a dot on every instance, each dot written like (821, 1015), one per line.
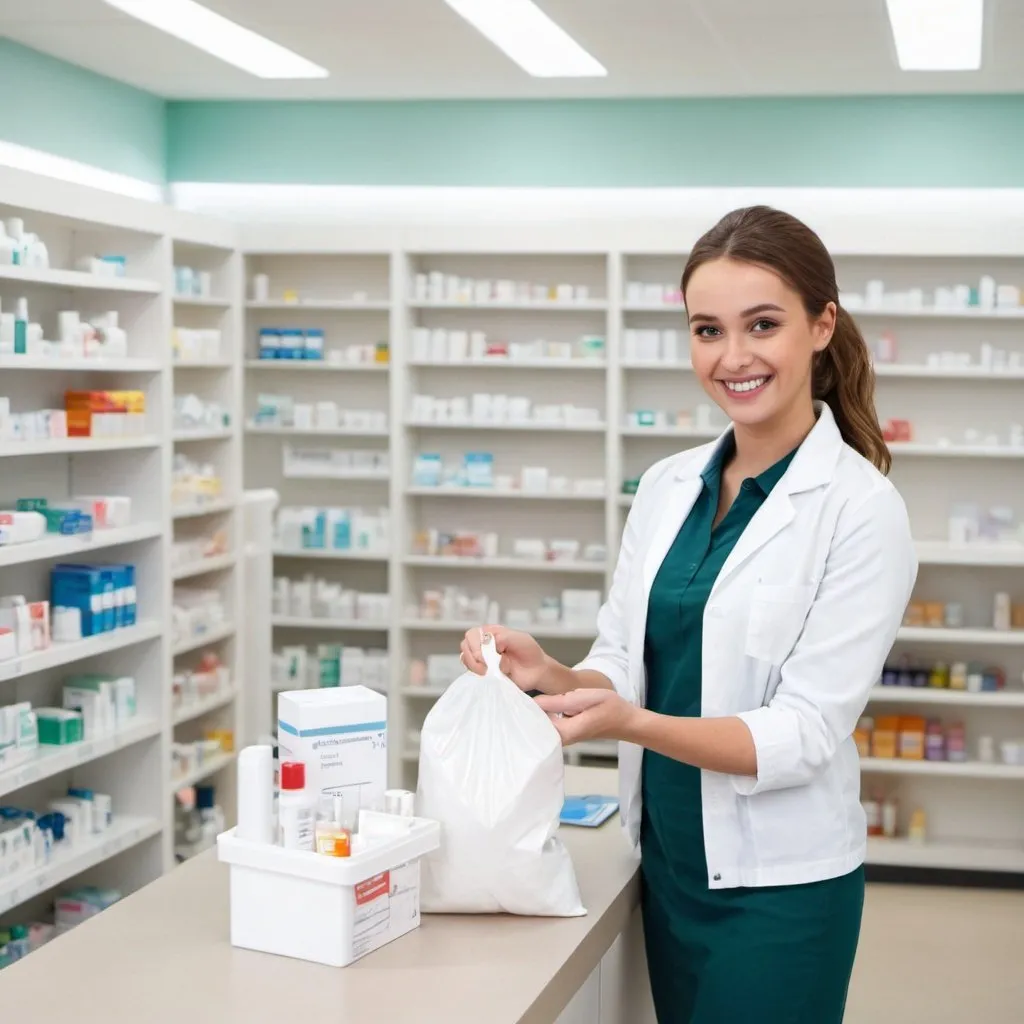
(330, 910)
(340, 734)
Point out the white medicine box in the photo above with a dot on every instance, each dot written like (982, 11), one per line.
(340, 734)
(330, 910)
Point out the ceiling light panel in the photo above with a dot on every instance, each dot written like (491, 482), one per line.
(521, 30)
(937, 35)
(224, 39)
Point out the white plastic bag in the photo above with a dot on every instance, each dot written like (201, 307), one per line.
(491, 773)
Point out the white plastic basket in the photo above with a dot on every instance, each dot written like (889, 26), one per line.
(331, 910)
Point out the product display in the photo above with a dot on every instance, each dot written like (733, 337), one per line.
(193, 413)
(572, 609)
(434, 286)
(644, 293)
(990, 358)
(910, 737)
(297, 343)
(703, 417)
(487, 409)
(98, 339)
(191, 552)
(475, 471)
(189, 758)
(333, 463)
(322, 599)
(285, 411)
(196, 612)
(193, 484)
(1006, 615)
(21, 248)
(967, 676)
(464, 544)
(330, 665)
(190, 345)
(658, 347)
(332, 529)
(192, 283)
(105, 413)
(986, 296)
(189, 689)
(440, 345)
(198, 820)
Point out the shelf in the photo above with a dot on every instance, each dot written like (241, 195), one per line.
(538, 631)
(341, 556)
(544, 305)
(206, 769)
(125, 831)
(655, 364)
(538, 427)
(312, 622)
(491, 492)
(967, 855)
(512, 564)
(700, 433)
(54, 546)
(252, 428)
(425, 692)
(52, 760)
(956, 451)
(205, 508)
(67, 654)
(923, 371)
(953, 698)
(939, 553)
(322, 305)
(126, 365)
(204, 565)
(209, 434)
(194, 643)
(204, 706)
(78, 279)
(202, 364)
(207, 302)
(931, 313)
(345, 478)
(311, 365)
(501, 363)
(943, 769)
(996, 637)
(655, 307)
(77, 445)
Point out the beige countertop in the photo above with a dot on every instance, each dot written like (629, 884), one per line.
(162, 956)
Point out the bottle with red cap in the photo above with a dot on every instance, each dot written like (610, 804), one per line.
(296, 809)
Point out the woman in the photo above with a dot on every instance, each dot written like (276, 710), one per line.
(759, 586)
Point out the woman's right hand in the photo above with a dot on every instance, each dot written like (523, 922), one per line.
(522, 659)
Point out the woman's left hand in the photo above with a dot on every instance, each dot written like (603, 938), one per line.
(589, 715)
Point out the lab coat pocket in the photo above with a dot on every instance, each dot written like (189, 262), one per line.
(777, 615)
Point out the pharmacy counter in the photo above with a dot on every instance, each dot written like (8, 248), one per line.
(163, 956)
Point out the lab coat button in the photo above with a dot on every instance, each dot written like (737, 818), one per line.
(717, 878)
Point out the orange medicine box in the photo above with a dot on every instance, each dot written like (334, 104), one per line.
(885, 736)
(911, 744)
(81, 406)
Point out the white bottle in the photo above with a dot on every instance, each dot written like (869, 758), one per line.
(296, 809)
(255, 794)
(15, 231)
(7, 248)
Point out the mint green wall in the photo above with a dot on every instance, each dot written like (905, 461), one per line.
(973, 141)
(56, 107)
(878, 141)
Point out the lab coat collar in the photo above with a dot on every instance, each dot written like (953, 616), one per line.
(813, 465)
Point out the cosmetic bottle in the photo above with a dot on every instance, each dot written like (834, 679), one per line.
(333, 834)
(21, 327)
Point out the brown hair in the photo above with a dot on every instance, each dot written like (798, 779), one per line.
(842, 375)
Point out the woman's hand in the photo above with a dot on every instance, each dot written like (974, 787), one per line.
(590, 715)
(522, 659)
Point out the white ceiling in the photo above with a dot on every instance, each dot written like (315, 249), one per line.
(420, 49)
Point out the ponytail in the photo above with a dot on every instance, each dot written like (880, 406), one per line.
(842, 376)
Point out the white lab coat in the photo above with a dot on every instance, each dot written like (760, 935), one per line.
(796, 631)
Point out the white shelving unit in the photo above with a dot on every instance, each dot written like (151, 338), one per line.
(132, 764)
(348, 296)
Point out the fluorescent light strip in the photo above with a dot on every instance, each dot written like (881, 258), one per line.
(206, 30)
(526, 34)
(47, 165)
(937, 35)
